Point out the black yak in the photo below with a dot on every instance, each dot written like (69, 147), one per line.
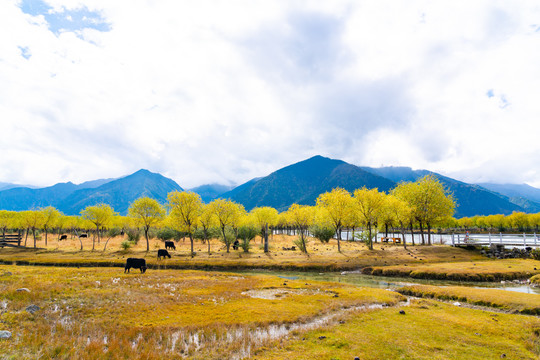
(136, 264)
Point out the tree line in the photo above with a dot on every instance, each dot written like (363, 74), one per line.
(421, 205)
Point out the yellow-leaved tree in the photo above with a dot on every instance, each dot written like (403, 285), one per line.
(185, 208)
(301, 217)
(429, 200)
(265, 217)
(339, 205)
(99, 215)
(227, 214)
(147, 212)
(369, 204)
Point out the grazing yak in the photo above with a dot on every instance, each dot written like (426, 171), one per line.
(170, 245)
(83, 235)
(136, 264)
(162, 253)
(62, 237)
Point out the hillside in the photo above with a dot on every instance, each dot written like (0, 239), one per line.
(120, 193)
(303, 182)
(523, 195)
(471, 199)
(71, 199)
(211, 191)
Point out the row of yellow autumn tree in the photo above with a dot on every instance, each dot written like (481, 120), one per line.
(422, 204)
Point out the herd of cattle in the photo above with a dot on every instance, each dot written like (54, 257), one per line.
(140, 264)
(137, 263)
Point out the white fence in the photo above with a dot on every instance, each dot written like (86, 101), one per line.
(515, 240)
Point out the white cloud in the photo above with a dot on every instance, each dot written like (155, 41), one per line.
(213, 91)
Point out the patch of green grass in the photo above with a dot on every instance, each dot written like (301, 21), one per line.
(427, 330)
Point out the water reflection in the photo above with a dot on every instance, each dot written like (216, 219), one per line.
(391, 282)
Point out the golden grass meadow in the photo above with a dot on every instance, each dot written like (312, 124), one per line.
(86, 307)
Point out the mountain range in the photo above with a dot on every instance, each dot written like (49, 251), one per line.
(297, 183)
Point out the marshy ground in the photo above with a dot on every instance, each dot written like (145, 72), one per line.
(90, 309)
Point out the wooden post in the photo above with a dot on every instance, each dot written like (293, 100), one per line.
(524, 240)
(489, 239)
(458, 239)
(453, 244)
(500, 235)
(534, 239)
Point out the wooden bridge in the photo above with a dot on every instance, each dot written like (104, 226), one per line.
(509, 240)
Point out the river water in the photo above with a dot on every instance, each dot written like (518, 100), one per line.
(390, 282)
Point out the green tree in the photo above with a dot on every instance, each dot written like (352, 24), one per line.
(147, 212)
(185, 210)
(338, 204)
(99, 215)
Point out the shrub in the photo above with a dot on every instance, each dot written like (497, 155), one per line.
(363, 236)
(229, 237)
(245, 245)
(134, 235)
(246, 233)
(302, 245)
(536, 254)
(126, 244)
(113, 232)
(166, 234)
(324, 234)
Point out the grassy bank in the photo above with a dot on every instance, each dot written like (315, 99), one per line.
(484, 270)
(427, 330)
(505, 300)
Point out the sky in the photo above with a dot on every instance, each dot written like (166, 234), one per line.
(212, 91)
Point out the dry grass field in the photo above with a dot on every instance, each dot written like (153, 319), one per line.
(354, 255)
(102, 313)
(506, 300)
(472, 270)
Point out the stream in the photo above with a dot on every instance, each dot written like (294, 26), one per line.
(358, 279)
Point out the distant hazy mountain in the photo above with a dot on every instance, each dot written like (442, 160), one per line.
(523, 195)
(7, 186)
(93, 183)
(120, 193)
(71, 199)
(211, 191)
(471, 199)
(514, 190)
(303, 182)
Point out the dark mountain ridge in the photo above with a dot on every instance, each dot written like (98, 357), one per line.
(302, 183)
(71, 199)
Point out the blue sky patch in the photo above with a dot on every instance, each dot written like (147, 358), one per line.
(65, 20)
(25, 52)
